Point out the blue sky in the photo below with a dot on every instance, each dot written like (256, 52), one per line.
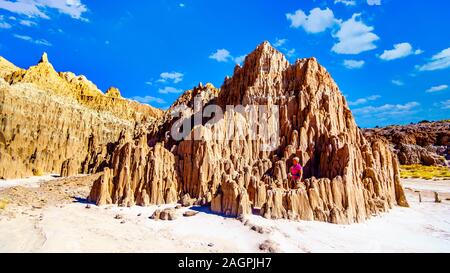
(391, 58)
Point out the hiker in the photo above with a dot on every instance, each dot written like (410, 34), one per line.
(296, 173)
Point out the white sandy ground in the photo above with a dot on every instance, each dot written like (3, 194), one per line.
(425, 227)
(32, 182)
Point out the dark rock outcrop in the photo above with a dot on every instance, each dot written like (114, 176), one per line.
(425, 143)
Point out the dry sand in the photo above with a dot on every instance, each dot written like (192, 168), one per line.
(52, 216)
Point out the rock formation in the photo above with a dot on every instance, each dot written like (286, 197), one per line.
(60, 123)
(426, 143)
(221, 163)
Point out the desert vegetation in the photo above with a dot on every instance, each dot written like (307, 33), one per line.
(424, 172)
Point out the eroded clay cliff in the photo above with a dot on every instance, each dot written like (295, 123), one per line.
(60, 123)
(222, 164)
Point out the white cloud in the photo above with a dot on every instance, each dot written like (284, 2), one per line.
(374, 2)
(27, 23)
(353, 64)
(290, 53)
(31, 40)
(175, 77)
(364, 100)
(149, 99)
(317, 21)
(354, 37)
(39, 8)
(4, 24)
(387, 110)
(398, 82)
(279, 42)
(346, 2)
(437, 88)
(221, 55)
(446, 104)
(438, 61)
(401, 50)
(239, 59)
(181, 5)
(171, 90)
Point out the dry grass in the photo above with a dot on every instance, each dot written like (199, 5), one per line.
(425, 172)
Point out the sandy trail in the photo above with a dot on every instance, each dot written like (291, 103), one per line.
(54, 218)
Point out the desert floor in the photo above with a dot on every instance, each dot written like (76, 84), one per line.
(49, 214)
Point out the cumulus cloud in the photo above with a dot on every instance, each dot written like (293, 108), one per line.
(31, 40)
(279, 42)
(39, 8)
(437, 88)
(401, 50)
(290, 53)
(445, 104)
(364, 100)
(175, 77)
(27, 23)
(4, 24)
(239, 59)
(149, 99)
(387, 110)
(438, 61)
(346, 2)
(317, 21)
(374, 2)
(169, 90)
(353, 64)
(354, 37)
(398, 82)
(221, 55)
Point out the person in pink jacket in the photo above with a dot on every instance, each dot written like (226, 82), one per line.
(296, 172)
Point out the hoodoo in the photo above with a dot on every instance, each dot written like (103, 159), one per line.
(348, 178)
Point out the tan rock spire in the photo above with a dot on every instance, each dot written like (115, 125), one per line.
(44, 58)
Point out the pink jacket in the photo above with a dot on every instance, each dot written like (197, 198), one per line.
(296, 170)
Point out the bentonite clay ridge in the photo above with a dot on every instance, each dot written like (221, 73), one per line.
(348, 178)
(59, 122)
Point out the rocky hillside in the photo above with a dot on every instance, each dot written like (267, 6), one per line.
(58, 122)
(426, 143)
(222, 165)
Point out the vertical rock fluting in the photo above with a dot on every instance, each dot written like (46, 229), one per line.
(139, 175)
(348, 178)
(58, 122)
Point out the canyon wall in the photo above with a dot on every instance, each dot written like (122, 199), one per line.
(60, 123)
